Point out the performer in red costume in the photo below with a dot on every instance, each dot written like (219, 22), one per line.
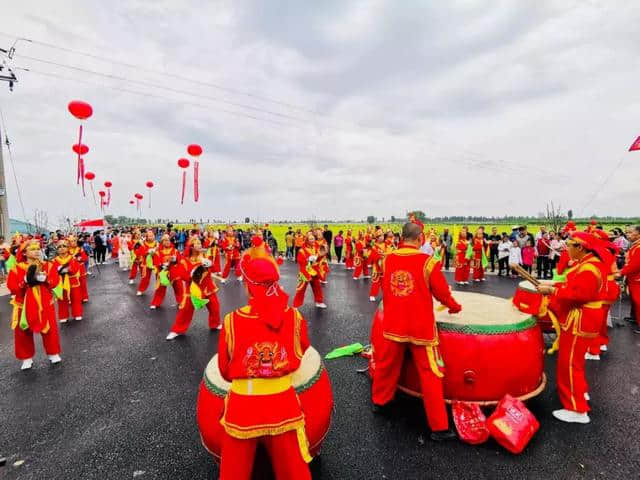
(134, 243)
(231, 248)
(348, 249)
(564, 261)
(413, 219)
(166, 262)
(378, 252)
(361, 257)
(323, 251)
(144, 256)
(479, 247)
(69, 270)
(309, 273)
(32, 282)
(631, 270)
(461, 275)
(81, 257)
(213, 254)
(260, 346)
(600, 344)
(411, 277)
(199, 284)
(578, 305)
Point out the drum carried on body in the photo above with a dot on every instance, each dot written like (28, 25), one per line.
(310, 381)
(489, 350)
(528, 300)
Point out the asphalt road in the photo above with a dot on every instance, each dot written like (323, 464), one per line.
(122, 403)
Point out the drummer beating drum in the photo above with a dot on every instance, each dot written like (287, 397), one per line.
(410, 279)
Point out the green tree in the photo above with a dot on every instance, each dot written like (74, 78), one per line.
(420, 215)
(371, 219)
(570, 214)
(247, 220)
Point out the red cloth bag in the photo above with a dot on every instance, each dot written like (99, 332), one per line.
(512, 424)
(470, 422)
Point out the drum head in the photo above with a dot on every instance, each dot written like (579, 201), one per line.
(483, 311)
(305, 376)
(526, 285)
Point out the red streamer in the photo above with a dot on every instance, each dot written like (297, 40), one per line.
(196, 190)
(184, 186)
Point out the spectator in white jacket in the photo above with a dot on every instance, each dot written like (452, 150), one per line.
(515, 256)
(504, 247)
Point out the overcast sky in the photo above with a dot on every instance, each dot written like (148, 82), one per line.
(335, 109)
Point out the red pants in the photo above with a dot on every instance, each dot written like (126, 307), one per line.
(185, 314)
(348, 261)
(145, 279)
(83, 288)
(571, 378)
(462, 273)
(237, 457)
(478, 273)
(634, 292)
(25, 347)
(389, 360)
(302, 288)
(603, 336)
(361, 268)
(75, 301)
(134, 271)
(227, 267)
(375, 286)
(161, 290)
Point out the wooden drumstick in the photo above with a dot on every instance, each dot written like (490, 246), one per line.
(524, 274)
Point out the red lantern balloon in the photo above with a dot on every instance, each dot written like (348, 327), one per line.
(183, 163)
(194, 150)
(89, 176)
(108, 184)
(80, 149)
(149, 184)
(138, 196)
(79, 109)
(131, 202)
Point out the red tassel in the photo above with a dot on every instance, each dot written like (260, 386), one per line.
(79, 159)
(84, 194)
(196, 191)
(184, 186)
(108, 197)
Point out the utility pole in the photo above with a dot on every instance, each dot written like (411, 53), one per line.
(4, 206)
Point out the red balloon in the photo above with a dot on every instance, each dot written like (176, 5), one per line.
(108, 184)
(80, 149)
(79, 109)
(131, 202)
(138, 196)
(149, 184)
(89, 176)
(101, 193)
(194, 150)
(183, 163)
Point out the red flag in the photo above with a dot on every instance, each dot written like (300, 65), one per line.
(635, 145)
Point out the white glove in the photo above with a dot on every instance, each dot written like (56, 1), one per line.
(41, 277)
(152, 251)
(313, 258)
(173, 258)
(206, 263)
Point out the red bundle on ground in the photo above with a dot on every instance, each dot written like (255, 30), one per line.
(470, 422)
(512, 424)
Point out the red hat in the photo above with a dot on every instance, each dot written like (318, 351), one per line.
(594, 244)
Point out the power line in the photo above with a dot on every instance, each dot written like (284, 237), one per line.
(162, 87)
(170, 75)
(151, 95)
(13, 166)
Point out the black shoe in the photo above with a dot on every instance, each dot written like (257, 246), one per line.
(636, 330)
(443, 435)
(382, 410)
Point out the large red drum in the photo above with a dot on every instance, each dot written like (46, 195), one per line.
(310, 381)
(489, 350)
(528, 300)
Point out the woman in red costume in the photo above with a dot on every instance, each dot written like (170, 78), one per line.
(260, 346)
(462, 263)
(166, 262)
(32, 282)
(69, 270)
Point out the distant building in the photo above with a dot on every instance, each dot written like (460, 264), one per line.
(20, 226)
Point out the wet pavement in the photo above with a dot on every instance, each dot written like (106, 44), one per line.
(122, 403)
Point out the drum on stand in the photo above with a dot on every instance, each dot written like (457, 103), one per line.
(311, 383)
(489, 350)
